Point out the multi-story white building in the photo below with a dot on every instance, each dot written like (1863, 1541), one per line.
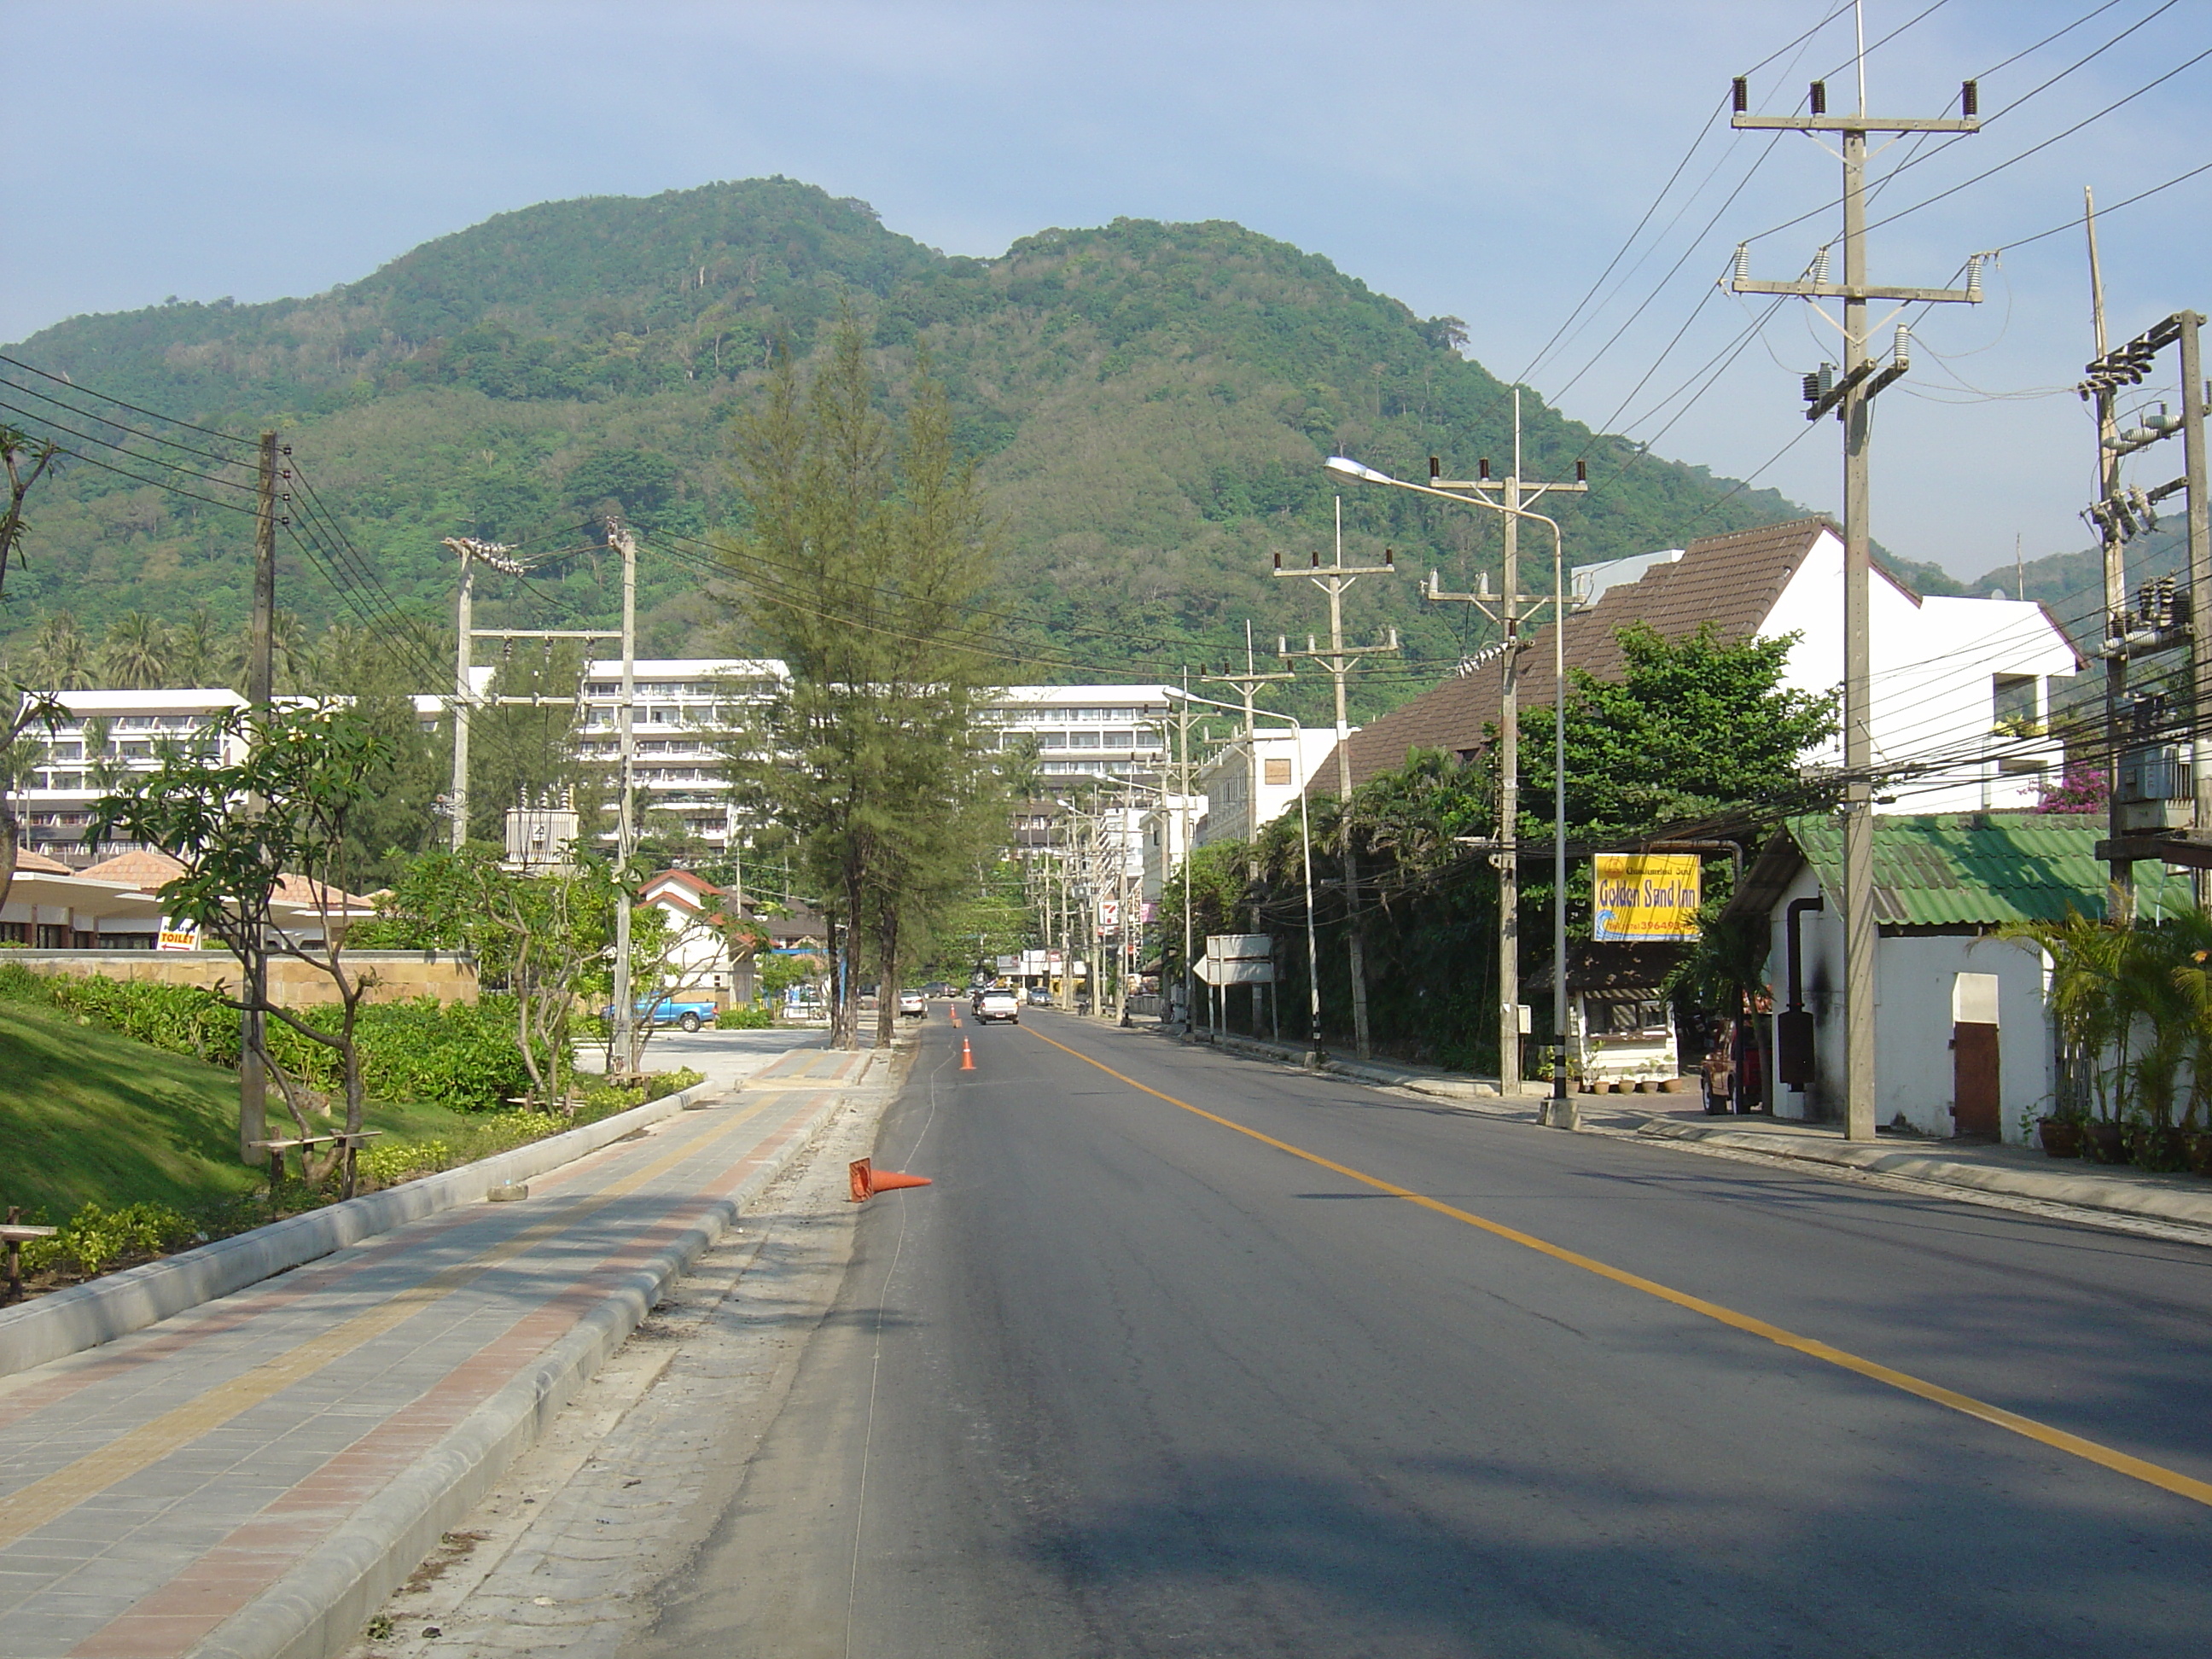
(1084, 730)
(109, 731)
(683, 711)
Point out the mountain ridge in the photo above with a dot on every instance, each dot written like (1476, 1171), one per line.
(1150, 404)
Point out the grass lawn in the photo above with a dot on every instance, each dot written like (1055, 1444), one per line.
(88, 1115)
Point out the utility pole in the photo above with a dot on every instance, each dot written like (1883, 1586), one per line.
(1340, 659)
(1852, 398)
(625, 1011)
(2139, 828)
(260, 691)
(465, 633)
(1513, 493)
(1248, 685)
(1183, 852)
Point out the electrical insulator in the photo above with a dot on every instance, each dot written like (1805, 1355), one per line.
(1812, 388)
(1390, 558)
(1820, 97)
(1742, 271)
(1582, 471)
(1740, 93)
(1316, 559)
(1482, 468)
(1901, 351)
(1820, 265)
(1435, 468)
(1969, 99)
(1974, 278)
(1278, 558)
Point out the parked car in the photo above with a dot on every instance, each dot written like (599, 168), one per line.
(913, 1003)
(689, 1012)
(996, 1004)
(1039, 997)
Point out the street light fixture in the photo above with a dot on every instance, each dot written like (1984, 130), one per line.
(1562, 1113)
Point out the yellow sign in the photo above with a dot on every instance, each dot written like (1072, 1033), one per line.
(1645, 896)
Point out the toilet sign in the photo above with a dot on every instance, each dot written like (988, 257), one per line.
(177, 934)
(1644, 896)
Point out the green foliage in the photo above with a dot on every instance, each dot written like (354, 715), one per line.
(744, 1019)
(869, 755)
(1151, 403)
(95, 1237)
(455, 1054)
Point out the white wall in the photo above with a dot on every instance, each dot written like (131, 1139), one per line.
(1932, 667)
(1913, 978)
(1226, 780)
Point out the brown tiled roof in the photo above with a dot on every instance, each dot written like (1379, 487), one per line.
(145, 870)
(39, 864)
(1732, 582)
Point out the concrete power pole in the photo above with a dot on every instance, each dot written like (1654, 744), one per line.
(471, 552)
(625, 1010)
(260, 690)
(1248, 685)
(1851, 395)
(2159, 624)
(1340, 659)
(1512, 493)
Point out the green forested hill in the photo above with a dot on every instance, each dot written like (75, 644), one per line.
(1151, 403)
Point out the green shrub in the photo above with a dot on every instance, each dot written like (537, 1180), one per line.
(393, 1161)
(93, 1238)
(453, 1054)
(744, 1019)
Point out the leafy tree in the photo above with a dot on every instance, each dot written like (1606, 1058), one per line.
(868, 755)
(135, 654)
(241, 828)
(60, 657)
(544, 938)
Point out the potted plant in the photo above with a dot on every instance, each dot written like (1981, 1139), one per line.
(2061, 1135)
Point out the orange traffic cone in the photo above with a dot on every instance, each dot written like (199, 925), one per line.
(967, 1059)
(868, 1180)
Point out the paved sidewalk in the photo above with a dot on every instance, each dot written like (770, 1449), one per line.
(2014, 1171)
(1969, 1168)
(253, 1477)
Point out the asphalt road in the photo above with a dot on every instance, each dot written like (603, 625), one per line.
(1126, 1381)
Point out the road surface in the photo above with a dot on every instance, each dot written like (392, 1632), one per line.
(1130, 1381)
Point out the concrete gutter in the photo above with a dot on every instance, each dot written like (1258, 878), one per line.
(2165, 1198)
(87, 1314)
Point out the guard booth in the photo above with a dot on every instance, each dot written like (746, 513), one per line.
(1620, 1022)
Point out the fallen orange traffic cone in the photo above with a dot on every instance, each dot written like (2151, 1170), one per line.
(868, 1180)
(967, 1059)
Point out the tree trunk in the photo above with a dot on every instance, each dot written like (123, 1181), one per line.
(886, 983)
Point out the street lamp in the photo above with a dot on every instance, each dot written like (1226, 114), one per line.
(1562, 1113)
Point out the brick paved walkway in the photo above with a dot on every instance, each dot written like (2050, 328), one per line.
(153, 1487)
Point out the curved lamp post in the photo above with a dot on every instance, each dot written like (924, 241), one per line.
(1562, 1113)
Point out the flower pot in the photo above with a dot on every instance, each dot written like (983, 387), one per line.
(2103, 1142)
(2061, 1137)
(2157, 1149)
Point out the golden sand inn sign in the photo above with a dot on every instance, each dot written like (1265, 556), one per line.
(1641, 897)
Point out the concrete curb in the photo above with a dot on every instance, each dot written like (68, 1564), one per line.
(1443, 1086)
(319, 1607)
(2083, 1192)
(86, 1315)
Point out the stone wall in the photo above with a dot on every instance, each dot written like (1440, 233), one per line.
(400, 975)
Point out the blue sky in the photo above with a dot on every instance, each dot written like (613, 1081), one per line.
(1483, 160)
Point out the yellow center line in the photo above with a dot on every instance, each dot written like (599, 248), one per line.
(2043, 1434)
(55, 1494)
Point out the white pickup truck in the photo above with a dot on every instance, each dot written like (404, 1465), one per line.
(997, 1005)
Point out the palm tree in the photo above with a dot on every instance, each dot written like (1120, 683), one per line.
(135, 655)
(61, 656)
(2093, 1018)
(199, 655)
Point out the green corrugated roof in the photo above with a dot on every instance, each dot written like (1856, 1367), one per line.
(1985, 868)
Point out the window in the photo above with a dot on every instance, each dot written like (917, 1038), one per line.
(1052, 739)
(1275, 773)
(2013, 707)
(1083, 739)
(1121, 739)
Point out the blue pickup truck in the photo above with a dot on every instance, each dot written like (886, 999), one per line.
(690, 1013)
